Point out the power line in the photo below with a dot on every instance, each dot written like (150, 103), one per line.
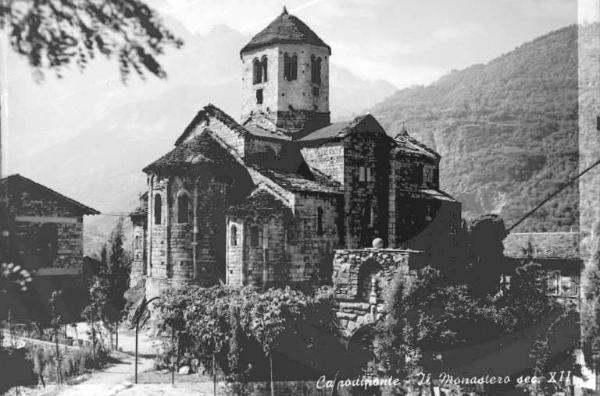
(561, 188)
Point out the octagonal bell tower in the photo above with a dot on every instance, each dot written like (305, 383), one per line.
(285, 77)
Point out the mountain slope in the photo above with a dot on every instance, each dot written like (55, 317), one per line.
(507, 130)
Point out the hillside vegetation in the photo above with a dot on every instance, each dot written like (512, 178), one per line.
(507, 131)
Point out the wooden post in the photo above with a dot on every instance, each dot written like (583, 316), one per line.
(214, 373)
(271, 364)
(117, 336)
(93, 344)
(173, 356)
(10, 327)
(58, 374)
(137, 327)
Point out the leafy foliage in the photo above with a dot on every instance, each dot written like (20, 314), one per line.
(53, 34)
(506, 130)
(242, 327)
(430, 316)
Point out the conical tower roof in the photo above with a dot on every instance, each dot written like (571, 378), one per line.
(285, 28)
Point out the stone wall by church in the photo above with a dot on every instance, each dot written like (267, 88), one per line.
(361, 279)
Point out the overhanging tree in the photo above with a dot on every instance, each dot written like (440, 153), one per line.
(53, 34)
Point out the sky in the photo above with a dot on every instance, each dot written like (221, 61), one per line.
(404, 42)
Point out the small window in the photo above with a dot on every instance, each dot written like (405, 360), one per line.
(362, 174)
(553, 283)
(254, 236)
(256, 71)
(157, 209)
(264, 64)
(183, 208)
(320, 221)
(315, 69)
(370, 174)
(369, 215)
(259, 96)
(234, 235)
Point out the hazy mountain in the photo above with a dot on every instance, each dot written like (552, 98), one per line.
(89, 136)
(507, 130)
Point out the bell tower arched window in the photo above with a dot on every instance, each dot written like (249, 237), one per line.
(183, 208)
(290, 67)
(315, 69)
(157, 209)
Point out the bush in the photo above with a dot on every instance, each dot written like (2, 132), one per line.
(74, 362)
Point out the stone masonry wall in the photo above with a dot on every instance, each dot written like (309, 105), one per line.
(64, 252)
(362, 276)
(291, 105)
(232, 138)
(371, 152)
(311, 253)
(138, 264)
(289, 251)
(171, 244)
(327, 158)
(37, 212)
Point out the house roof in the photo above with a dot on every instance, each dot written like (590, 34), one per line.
(260, 132)
(10, 181)
(207, 111)
(543, 245)
(340, 130)
(261, 201)
(286, 29)
(295, 182)
(202, 149)
(406, 144)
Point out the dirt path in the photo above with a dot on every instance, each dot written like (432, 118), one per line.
(111, 380)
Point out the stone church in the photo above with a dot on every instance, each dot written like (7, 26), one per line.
(267, 200)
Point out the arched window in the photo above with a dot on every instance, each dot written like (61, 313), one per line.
(234, 235)
(157, 209)
(315, 69)
(263, 63)
(183, 208)
(290, 67)
(319, 221)
(256, 71)
(254, 236)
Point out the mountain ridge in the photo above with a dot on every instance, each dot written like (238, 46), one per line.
(506, 130)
